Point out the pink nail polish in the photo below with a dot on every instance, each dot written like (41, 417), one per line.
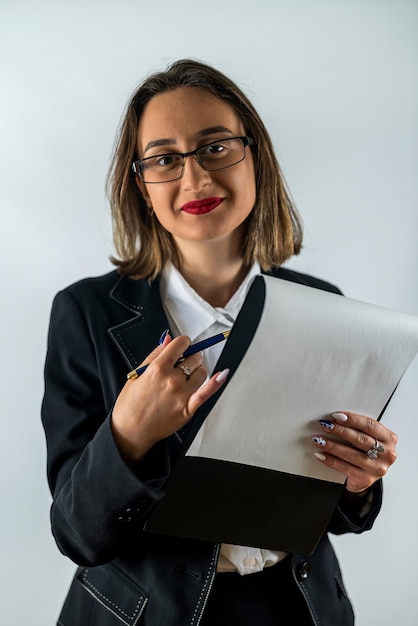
(222, 376)
(340, 417)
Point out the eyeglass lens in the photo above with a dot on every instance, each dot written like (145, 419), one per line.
(217, 155)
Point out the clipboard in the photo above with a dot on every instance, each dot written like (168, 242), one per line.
(246, 473)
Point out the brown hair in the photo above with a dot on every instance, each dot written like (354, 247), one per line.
(273, 228)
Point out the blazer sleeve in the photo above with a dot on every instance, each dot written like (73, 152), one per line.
(98, 500)
(357, 517)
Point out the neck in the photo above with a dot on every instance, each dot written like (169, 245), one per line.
(215, 271)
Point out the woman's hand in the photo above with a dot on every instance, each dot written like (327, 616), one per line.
(163, 399)
(360, 447)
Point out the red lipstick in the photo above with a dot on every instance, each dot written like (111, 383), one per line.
(200, 207)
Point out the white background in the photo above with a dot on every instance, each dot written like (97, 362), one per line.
(336, 84)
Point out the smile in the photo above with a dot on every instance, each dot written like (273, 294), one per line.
(200, 207)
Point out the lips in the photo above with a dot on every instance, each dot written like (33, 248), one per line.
(200, 207)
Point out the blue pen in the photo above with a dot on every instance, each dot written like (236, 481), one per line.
(196, 347)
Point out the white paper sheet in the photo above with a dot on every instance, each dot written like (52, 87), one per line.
(313, 353)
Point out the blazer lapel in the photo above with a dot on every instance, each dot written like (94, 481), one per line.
(136, 337)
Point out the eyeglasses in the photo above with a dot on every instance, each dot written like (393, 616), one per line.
(214, 156)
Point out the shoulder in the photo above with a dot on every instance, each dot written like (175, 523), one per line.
(113, 285)
(303, 279)
(84, 298)
(93, 284)
(108, 293)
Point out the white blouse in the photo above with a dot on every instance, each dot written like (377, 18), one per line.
(188, 314)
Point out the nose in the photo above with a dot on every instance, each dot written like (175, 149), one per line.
(194, 176)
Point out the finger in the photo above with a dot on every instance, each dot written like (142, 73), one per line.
(360, 470)
(173, 350)
(191, 362)
(353, 467)
(204, 392)
(367, 428)
(351, 456)
(152, 355)
(359, 431)
(357, 436)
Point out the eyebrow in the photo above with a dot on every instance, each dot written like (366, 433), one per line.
(205, 132)
(158, 142)
(212, 130)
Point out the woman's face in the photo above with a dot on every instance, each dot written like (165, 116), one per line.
(180, 121)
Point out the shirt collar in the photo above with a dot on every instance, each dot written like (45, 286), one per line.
(192, 314)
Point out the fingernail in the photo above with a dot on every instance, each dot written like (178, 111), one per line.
(326, 424)
(163, 336)
(320, 456)
(340, 417)
(222, 376)
(320, 441)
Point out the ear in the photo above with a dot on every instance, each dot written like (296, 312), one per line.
(143, 189)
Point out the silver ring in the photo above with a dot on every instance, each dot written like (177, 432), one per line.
(374, 452)
(186, 370)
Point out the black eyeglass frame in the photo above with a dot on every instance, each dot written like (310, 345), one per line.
(246, 141)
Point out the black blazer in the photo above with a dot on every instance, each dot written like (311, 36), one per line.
(100, 328)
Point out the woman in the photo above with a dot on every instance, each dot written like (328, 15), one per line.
(199, 208)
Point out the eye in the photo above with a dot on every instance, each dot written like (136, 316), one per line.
(160, 162)
(166, 160)
(216, 149)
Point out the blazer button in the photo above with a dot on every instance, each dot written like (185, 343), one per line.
(303, 570)
(134, 511)
(128, 515)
